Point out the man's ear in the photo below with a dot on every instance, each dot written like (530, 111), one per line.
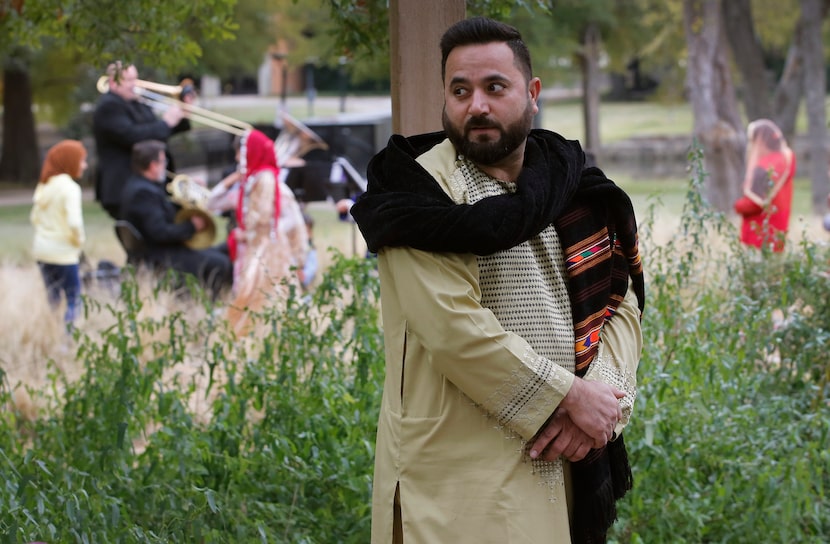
(534, 88)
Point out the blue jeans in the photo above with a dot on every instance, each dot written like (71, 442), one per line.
(62, 278)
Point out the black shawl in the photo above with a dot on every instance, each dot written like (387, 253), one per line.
(405, 206)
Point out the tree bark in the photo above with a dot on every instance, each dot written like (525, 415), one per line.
(20, 161)
(717, 126)
(815, 92)
(790, 89)
(417, 91)
(746, 48)
(761, 97)
(589, 64)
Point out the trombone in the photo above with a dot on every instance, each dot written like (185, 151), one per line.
(159, 94)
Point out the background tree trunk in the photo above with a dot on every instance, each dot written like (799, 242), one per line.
(746, 48)
(717, 122)
(815, 92)
(760, 99)
(790, 88)
(588, 57)
(20, 161)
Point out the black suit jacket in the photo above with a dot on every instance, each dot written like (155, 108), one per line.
(117, 124)
(147, 206)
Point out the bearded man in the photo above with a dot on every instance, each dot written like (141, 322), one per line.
(511, 291)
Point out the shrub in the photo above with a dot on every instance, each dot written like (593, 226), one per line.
(729, 441)
(178, 431)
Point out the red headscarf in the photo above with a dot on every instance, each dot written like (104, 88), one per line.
(65, 157)
(257, 154)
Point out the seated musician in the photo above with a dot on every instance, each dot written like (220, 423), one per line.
(147, 206)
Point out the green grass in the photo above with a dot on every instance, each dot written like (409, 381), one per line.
(620, 120)
(672, 193)
(667, 195)
(624, 120)
(17, 232)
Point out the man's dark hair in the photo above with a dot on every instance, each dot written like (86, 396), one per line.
(482, 30)
(144, 153)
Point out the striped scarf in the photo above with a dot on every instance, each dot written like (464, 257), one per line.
(405, 206)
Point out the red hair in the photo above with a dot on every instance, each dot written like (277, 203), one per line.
(65, 157)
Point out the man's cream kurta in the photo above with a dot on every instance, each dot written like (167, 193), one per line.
(479, 353)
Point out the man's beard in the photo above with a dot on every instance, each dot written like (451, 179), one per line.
(492, 151)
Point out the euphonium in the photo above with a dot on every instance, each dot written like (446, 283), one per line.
(193, 199)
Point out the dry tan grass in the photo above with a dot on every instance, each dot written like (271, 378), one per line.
(33, 336)
(33, 342)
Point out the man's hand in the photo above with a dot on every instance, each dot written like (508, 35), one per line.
(199, 222)
(561, 436)
(344, 205)
(172, 116)
(595, 408)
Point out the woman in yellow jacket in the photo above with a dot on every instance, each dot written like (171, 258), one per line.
(59, 225)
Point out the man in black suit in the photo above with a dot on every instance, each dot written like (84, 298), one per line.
(120, 120)
(147, 206)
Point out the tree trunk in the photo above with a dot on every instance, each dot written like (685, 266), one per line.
(780, 105)
(417, 90)
(717, 126)
(815, 92)
(790, 88)
(20, 161)
(589, 63)
(746, 49)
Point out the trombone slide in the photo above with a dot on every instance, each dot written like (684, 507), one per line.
(160, 96)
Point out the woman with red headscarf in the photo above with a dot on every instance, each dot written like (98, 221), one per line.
(270, 239)
(58, 221)
(767, 187)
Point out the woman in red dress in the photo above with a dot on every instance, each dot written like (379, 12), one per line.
(767, 187)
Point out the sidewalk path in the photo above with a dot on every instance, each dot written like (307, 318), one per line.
(19, 197)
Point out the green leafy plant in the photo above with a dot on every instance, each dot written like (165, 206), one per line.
(730, 435)
(179, 431)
